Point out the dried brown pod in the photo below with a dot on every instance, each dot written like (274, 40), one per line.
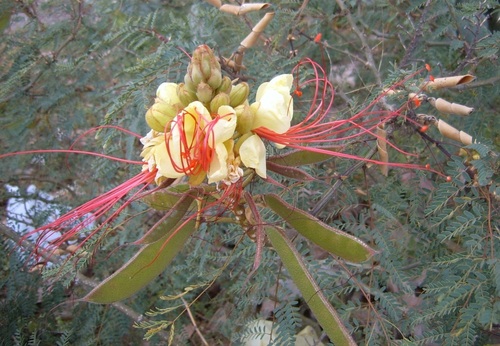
(382, 148)
(449, 108)
(451, 132)
(243, 9)
(250, 40)
(448, 82)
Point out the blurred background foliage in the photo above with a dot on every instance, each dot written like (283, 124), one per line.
(68, 66)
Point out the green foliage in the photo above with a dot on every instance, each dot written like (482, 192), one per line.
(70, 66)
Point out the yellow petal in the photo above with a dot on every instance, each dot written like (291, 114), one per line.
(163, 160)
(273, 108)
(218, 166)
(224, 127)
(253, 155)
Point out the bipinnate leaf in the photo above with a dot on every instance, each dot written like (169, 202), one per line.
(312, 293)
(147, 264)
(330, 239)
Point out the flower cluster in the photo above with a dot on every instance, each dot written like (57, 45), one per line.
(205, 126)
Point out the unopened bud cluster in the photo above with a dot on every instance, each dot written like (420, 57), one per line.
(203, 82)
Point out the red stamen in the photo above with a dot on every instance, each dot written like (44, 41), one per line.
(313, 129)
(81, 217)
(317, 38)
(197, 145)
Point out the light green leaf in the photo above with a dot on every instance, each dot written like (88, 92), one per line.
(330, 239)
(147, 264)
(312, 293)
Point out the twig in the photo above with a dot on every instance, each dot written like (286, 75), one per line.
(416, 38)
(197, 330)
(366, 48)
(331, 192)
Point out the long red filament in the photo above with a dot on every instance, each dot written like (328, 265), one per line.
(315, 129)
(81, 217)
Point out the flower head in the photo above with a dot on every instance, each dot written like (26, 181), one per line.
(272, 111)
(196, 142)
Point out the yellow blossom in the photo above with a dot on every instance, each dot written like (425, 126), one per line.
(195, 143)
(273, 108)
(253, 154)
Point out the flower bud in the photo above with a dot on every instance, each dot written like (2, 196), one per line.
(239, 93)
(221, 99)
(225, 86)
(245, 119)
(204, 67)
(185, 95)
(159, 114)
(167, 93)
(204, 92)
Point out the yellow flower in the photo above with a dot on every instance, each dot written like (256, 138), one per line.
(273, 108)
(253, 154)
(195, 143)
(155, 156)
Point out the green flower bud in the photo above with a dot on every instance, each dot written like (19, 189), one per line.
(225, 86)
(245, 119)
(215, 79)
(204, 67)
(204, 92)
(159, 114)
(185, 95)
(239, 93)
(221, 99)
